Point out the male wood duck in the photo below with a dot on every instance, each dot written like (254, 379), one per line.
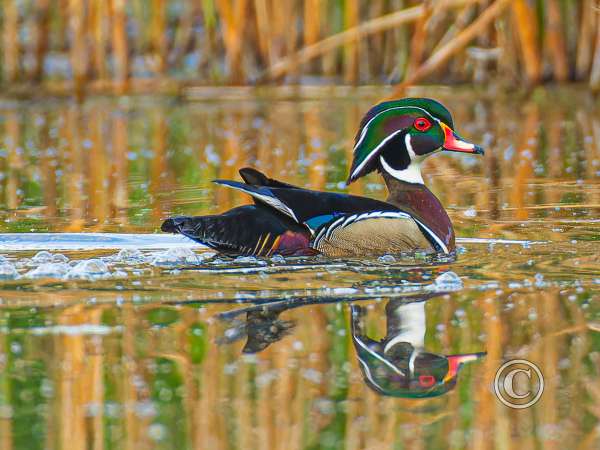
(394, 138)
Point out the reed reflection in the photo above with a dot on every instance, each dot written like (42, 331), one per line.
(107, 166)
(144, 375)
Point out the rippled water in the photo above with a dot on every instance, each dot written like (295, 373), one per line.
(114, 336)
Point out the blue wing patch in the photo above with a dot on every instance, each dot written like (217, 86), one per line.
(315, 222)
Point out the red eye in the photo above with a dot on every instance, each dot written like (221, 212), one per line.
(422, 124)
(426, 380)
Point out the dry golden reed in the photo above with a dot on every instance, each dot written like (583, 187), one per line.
(117, 46)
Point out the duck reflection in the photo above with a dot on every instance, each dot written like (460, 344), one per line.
(261, 328)
(397, 365)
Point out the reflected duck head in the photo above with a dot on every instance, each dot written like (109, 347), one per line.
(405, 372)
(398, 365)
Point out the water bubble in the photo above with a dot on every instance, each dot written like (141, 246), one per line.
(89, 269)
(250, 260)
(145, 409)
(278, 259)
(8, 271)
(532, 315)
(312, 375)
(59, 257)
(42, 257)
(49, 270)
(564, 363)
(46, 388)
(157, 432)
(344, 291)
(175, 257)
(387, 259)
(448, 281)
(130, 256)
(15, 348)
(471, 212)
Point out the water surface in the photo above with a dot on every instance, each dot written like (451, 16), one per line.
(114, 336)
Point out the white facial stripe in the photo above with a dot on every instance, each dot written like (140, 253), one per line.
(411, 362)
(379, 357)
(409, 148)
(363, 133)
(362, 136)
(374, 152)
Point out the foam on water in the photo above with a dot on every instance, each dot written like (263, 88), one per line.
(96, 241)
(91, 241)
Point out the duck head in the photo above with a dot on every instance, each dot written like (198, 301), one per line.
(396, 136)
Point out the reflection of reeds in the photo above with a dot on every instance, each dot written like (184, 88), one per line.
(113, 45)
(11, 58)
(294, 393)
(306, 390)
(99, 167)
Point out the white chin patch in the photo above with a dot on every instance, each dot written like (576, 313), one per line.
(412, 174)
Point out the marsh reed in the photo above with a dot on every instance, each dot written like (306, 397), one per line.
(131, 45)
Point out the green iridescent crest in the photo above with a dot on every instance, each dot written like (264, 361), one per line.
(388, 120)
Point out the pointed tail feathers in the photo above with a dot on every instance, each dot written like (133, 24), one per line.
(256, 178)
(261, 194)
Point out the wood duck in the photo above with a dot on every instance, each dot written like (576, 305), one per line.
(394, 138)
(398, 365)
